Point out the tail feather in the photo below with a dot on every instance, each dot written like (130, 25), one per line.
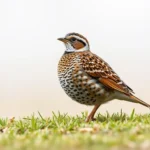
(137, 100)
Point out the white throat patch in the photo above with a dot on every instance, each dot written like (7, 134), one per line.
(70, 48)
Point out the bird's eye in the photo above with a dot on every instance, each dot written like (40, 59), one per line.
(73, 39)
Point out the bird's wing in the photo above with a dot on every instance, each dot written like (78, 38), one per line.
(99, 69)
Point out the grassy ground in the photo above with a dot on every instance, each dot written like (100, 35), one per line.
(64, 132)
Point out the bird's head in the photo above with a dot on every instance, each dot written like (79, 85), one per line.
(75, 42)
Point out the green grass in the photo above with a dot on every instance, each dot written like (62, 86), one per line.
(61, 131)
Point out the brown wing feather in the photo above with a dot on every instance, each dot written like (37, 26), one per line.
(111, 84)
(98, 68)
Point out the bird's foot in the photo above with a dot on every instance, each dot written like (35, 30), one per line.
(88, 119)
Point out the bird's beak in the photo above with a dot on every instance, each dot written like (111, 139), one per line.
(63, 40)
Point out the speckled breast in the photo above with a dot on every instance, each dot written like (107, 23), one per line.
(77, 84)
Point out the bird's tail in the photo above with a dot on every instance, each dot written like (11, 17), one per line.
(137, 100)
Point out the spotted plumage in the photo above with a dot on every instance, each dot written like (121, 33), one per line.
(87, 78)
(77, 83)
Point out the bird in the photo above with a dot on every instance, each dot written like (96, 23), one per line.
(87, 79)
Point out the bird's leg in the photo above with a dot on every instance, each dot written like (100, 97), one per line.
(91, 115)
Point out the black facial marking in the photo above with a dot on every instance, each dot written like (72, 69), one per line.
(73, 39)
(81, 42)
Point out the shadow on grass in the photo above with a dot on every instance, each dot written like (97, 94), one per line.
(120, 116)
(114, 117)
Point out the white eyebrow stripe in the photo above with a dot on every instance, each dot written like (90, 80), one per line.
(77, 37)
(70, 48)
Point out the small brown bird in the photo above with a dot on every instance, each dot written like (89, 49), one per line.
(87, 78)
